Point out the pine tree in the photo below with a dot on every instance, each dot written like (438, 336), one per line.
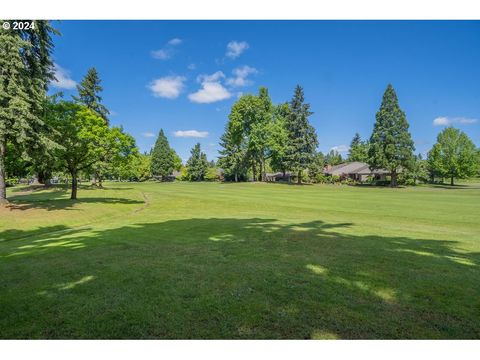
(88, 94)
(333, 158)
(197, 164)
(454, 155)
(162, 162)
(391, 146)
(233, 153)
(17, 119)
(302, 139)
(358, 149)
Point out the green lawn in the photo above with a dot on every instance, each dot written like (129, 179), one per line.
(212, 260)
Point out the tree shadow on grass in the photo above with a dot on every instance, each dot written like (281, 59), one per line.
(58, 199)
(236, 278)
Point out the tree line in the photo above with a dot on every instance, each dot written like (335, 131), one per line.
(48, 135)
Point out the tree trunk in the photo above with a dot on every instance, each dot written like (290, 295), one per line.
(100, 183)
(393, 179)
(264, 173)
(94, 181)
(74, 184)
(254, 171)
(299, 177)
(236, 176)
(451, 180)
(3, 185)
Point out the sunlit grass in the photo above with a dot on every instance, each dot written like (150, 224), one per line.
(211, 260)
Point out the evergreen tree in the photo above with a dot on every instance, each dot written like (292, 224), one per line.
(333, 158)
(197, 164)
(88, 94)
(358, 149)
(391, 146)
(302, 139)
(316, 166)
(454, 155)
(17, 118)
(162, 157)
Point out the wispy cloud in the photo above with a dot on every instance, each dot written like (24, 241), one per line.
(340, 148)
(241, 74)
(148, 134)
(191, 133)
(175, 41)
(63, 79)
(191, 66)
(211, 89)
(236, 48)
(168, 50)
(446, 121)
(168, 87)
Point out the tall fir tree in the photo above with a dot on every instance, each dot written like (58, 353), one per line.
(17, 118)
(162, 160)
(302, 139)
(197, 164)
(88, 94)
(391, 146)
(454, 155)
(358, 149)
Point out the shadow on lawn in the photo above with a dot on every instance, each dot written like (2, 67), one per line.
(58, 199)
(236, 278)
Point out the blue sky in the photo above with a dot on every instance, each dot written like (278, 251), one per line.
(184, 76)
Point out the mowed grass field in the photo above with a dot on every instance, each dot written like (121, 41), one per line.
(254, 261)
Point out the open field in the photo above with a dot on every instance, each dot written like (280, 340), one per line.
(212, 260)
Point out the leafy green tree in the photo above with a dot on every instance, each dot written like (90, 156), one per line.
(88, 94)
(391, 146)
(114, 151)
(358, 149)
(177, 161)
(454, 155)
(197, 164)
(17, 118)
(233, 152)
(135, 168)
(278, 139)
(302, 139)
(81, 134)
(418, 171)
(315, 168)
(163, 160)
(333, 158)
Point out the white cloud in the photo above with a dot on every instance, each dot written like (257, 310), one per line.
(212, 90)
(148, 134)
(168, 87)
(240, 76)
(191, 133)
(236, 48)
(167, 51)
(175, 41)
(340, 148)
(63, 80)
(446, 121)
(162, 54)
(215, 77)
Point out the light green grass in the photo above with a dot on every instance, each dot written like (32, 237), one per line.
(212, 260)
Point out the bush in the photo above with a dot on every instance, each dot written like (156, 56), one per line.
(211, 174)
(11, 182)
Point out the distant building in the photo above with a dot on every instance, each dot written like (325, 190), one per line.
(358, 171)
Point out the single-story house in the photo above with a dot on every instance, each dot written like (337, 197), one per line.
(278, 176)
(356, 170)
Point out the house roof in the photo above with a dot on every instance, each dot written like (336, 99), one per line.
(355, 167)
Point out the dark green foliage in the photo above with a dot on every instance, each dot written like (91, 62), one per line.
(302, 139)
(233, 153)
(315, 168)
(88, 94)
(163, 160)
(454, 155)
(333, 158)
(17, 118)
(391, 146)
(197, 164)
(358, 149)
